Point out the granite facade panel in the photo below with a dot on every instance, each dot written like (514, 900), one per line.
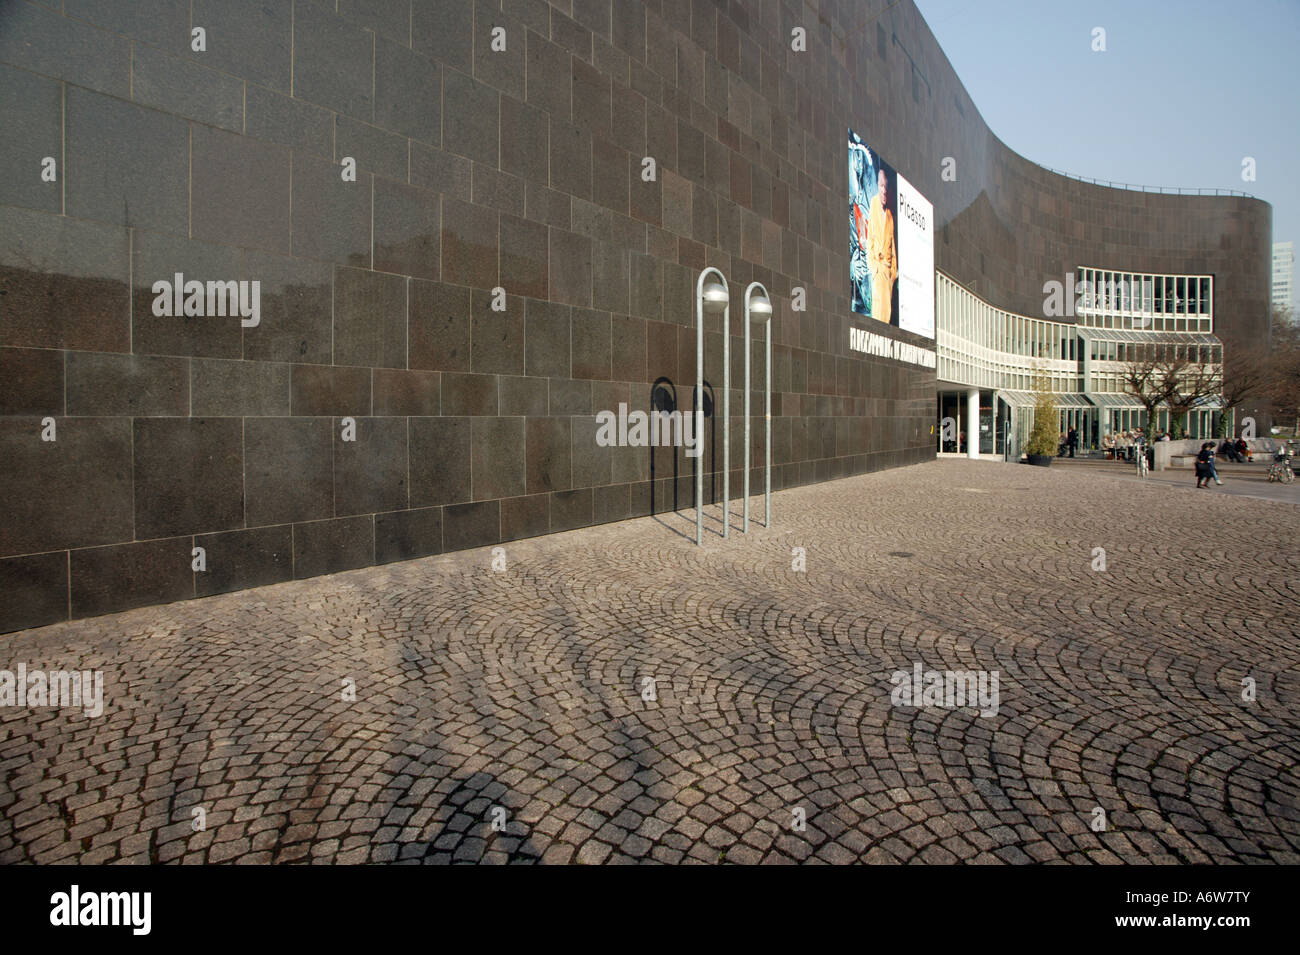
(239, 190)
(471, 525)
(439, 326)
(236, 560)
(331, 216)
(64, 282)
(235, 389)
(369, 318)
(180, 86)
(132, 385)
(295, 123)
(247, 38)
(327, 547)
(125, 164)
(32, 107)
(402, 393)
(444, 32)
(440, 455)
(159, 258)
(288, 470)
(407, 229)
(406, 535)
(471, 124)
(35, 37)
(74, 491)
(496, 466)
(124, 576)
(525, 517)
(296, 309)
(408, 92)
(333, 61)
(31, 381)
(470, 244)
(35, 589)
(189, 475)
(371, 469)
(325, 390)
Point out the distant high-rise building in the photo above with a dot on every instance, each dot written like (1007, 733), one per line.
(1284, 275)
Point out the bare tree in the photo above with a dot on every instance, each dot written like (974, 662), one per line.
(1190, 383)
(1283, 385)
(1141, 379)
(1170, 376)
(1247, 376)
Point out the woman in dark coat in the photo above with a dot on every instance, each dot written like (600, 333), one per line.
(1204, 465)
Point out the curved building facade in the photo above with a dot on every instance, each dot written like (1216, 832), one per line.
(475, 228)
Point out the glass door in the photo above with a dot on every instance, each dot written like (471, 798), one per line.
(988, 433)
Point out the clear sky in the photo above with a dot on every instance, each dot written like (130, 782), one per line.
(1185, 90)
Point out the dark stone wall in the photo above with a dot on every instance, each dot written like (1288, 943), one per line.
(475, 169)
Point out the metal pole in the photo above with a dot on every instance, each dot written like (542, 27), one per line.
(726, 420)
(698, 427)
(699, 395)
(767, 417)
(745, 494)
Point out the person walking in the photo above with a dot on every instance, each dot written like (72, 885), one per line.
(1214, 471)
(1072, 441)
(1204, 465)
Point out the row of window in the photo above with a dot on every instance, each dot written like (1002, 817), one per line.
(988, 347)
(1003, 377)
(964, 316)
(1138, 295)
(1147, 323)
(1146, 351)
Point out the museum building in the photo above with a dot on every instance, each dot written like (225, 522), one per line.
(292, 287)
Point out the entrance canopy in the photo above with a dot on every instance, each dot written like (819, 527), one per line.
(1114, 401)
(1123, 402)
(1155, 338)
(1027, 399)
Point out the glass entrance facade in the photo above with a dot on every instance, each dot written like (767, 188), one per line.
(953, 423)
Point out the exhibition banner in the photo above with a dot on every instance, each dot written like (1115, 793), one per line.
(891, 244)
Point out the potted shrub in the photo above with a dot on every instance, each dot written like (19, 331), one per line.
(1044, 438)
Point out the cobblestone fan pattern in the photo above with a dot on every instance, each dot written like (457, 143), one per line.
(522, 689)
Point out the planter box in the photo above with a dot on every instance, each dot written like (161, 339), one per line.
(1040, 460)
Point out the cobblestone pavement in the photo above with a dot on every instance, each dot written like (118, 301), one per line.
(522, 690)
